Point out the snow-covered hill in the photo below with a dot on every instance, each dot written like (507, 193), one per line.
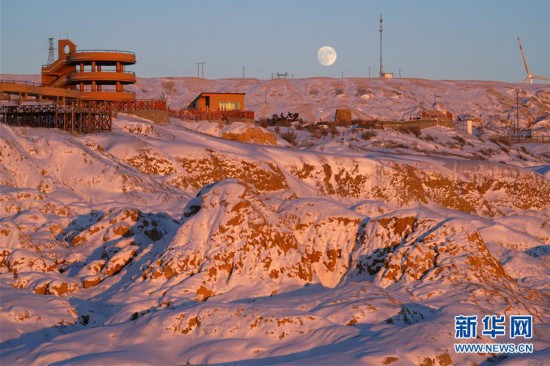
(495, 103)
(317, 98)
(163, 245)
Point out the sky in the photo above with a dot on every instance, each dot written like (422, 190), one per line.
(434, 39)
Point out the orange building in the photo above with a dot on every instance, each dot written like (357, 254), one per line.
(218, 102)
(97, 74)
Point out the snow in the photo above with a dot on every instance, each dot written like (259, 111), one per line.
(167, 244)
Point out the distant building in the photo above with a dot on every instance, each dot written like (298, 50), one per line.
(342, 116)
(469, 124)
(218, 102)
(436, 114)
(386, 75)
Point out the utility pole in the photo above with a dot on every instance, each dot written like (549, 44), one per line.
(342, 76)
(516, 132)
(381, 30)
(202, 69)
(243, 72)
(369, 72)
(198, 69)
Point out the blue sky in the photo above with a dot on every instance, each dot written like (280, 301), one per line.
(436, 39)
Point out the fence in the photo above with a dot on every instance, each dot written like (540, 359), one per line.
(140, 105)
(395, 125)
(516, 139)
(198, 115)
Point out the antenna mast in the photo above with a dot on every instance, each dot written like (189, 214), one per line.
(50, 52)
(381, 29)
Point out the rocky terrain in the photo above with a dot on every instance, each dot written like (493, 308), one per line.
(158, 244)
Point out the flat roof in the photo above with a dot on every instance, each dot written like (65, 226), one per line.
(220, 93)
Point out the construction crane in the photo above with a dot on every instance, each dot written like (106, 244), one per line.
(530, 77)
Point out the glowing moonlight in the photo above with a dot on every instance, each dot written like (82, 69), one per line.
(326, 55)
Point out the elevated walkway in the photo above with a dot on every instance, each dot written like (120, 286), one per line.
(40, 92)
(27, 89)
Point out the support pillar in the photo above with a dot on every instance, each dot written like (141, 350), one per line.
(64, 115)
(72, 117)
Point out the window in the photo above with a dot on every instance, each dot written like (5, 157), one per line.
(229, 106)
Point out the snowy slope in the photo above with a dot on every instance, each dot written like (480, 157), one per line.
(162, 245)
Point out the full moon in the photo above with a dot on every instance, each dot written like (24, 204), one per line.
(326, 55)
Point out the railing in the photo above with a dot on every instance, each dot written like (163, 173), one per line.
(102, 90)
(113, 71)
(195, 114)
(60, 61)
(107, 91)
(110, 51)
(528, 139)
(21, 82)
(88, 76)
(140, 105)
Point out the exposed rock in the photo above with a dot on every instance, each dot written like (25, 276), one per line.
(250, 133)
(260, 240)
(119, 261)
(91, 281)
(61, 288)
(266, 177)
(26, 261)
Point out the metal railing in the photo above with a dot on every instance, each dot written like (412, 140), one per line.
(97, 71)
(109, 51)
(195, 114)
(60, 61)
(140, 105)
(107, 91)
(528, 139)
(21, 82)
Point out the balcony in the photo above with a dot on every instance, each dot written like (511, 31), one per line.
(102, 77)
(108, 96)
(101, 57)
